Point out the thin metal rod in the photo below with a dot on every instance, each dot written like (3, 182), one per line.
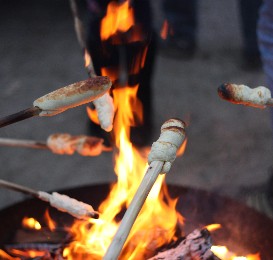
(22, 115)
(23, 143)
(19, 188)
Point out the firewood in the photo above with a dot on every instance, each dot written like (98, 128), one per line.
(196, 246)
(163, 153)
(60, 100)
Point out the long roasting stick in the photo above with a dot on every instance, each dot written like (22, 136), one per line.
(60, 100)
(62, 202)
(259, 97)
(104, 105)
(80, 33)
(62, 144)
(162, 154)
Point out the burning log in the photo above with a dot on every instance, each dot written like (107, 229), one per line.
(163, 153)
(60, 100)
(63, 144)
(61, 202)
(196, 246)
(259, 97)
(104, 105)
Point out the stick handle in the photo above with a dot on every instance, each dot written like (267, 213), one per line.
(23, 143)
(19, 188)
(133, 210)
(22, 115)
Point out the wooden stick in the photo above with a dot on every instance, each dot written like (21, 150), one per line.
(19, 188)
(133, 210)
(22, 115)
(55, 200)
(171, 137)
(80, 33)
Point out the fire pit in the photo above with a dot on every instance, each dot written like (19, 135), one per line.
(243, 230)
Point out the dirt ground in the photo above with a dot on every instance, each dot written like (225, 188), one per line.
(228, 146)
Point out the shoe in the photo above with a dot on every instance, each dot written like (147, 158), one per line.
(260, 197)
(178, 48)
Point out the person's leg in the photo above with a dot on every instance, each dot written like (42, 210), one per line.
(113, 56)
(261, 197)
(249, 13)
(265, 40)
(181, 16)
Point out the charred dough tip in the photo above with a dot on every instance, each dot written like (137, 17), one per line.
(223, 91)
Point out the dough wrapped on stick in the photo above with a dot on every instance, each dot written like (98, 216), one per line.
(83, 145)
(62, 143)
(259, 97)
(161, 157)
(77, 209)
(62, 99)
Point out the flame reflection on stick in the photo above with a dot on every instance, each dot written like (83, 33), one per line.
(49, 221)
(164, 30)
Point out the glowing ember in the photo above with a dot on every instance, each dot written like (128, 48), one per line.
(29, 253)
(4, 255)
(223, 253)
(31, 223)
(213, 227)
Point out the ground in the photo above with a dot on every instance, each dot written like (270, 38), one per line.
(228, 146)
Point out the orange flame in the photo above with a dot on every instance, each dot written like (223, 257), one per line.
(87, 58)
(93, 115)
(5, 256)
(164, 30)
(28, 253)
(182, 148)
(49, 221)
(119, 18)
(31, 223)
(213, 227)
(223, 253)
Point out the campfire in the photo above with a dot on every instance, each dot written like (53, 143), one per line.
(157, 228)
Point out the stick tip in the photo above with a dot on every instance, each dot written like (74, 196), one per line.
(225, 91)
(174, 124)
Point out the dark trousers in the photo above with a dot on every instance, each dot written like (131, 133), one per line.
(182, 16)
(107, 54)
